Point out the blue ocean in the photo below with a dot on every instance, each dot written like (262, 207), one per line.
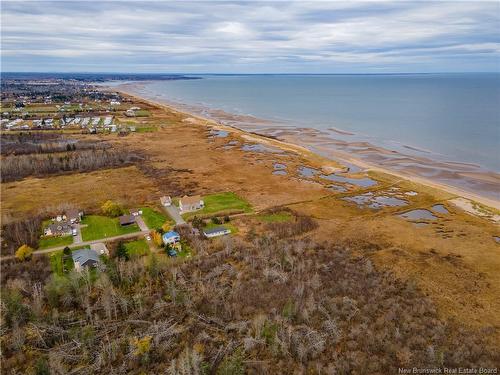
(449, 117)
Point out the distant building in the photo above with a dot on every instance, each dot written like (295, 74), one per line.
(85, 258)
(187, 204)
(62, 228)
(166, 201)
(171, 237)
(215, 232)
(127, 220)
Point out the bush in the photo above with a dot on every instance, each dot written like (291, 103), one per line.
(24, 253)
(112, 209)
(216, 220)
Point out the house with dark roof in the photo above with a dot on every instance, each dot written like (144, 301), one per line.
(127, 220)
(60, 228)
(215, 232)
(85, 258)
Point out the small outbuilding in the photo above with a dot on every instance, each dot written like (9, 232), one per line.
(216, 232)
(127, 220)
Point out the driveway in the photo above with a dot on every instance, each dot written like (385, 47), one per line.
(173, 212)
(140, 222)
(78, 238)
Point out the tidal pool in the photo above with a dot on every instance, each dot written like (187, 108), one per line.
(377, 202)
(338, 188)
(497, 238)
(307, 172)
(279, 166)
(257, 147)
(219, 133)
(363, 182)
(418, 214)
(280, 172)
(439, 208)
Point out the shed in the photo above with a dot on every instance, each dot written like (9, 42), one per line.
(127, 220)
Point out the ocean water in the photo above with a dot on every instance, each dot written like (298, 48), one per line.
(448, 117)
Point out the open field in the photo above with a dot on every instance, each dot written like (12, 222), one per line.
(84, 190)
(220, 203)
(96, 227)
(137, 248)
(154, 219)
(60, 266)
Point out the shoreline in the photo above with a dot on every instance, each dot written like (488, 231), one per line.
(337, 156)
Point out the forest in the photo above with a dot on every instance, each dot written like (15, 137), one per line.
(276, 302)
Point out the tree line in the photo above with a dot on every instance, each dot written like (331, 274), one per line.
(39, 165)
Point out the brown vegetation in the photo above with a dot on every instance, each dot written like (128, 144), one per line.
(269, 306)
(39, 165)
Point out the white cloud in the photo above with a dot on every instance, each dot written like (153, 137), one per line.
(223, 36)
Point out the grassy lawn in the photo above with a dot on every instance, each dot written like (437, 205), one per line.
(277, 217)
(145, 129)
(46, 242)
(154, 219)
(60, 266)
(137, 248)
(102, 227)
(142, 113)
(221, 203)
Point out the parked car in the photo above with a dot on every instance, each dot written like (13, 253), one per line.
(74, 232)
(148, 237)
(172, 253)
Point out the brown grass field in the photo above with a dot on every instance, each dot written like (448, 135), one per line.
(454, 260)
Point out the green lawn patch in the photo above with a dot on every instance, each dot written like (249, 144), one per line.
(103, 227)
(221, 203)
(277, 217)
(154, 219)
(142, 113)
(145, 129)
(61, 264)
(47, 242)
(137, 248)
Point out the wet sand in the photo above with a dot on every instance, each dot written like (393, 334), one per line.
(461, 179)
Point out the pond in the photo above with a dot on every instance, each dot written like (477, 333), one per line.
(418, 214)
(219, 133)
(376, 202)
(440, 209)
(257, 147)
(279, 166)
(280, 173)
(307, 172)
(338, 188)
(363, 182)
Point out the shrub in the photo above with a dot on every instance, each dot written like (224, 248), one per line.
(112, 209)
(24, 253)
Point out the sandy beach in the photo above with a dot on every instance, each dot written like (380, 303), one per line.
(460, 179)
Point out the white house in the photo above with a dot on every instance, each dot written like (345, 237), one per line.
(166, 201)
(194, 203)
(216, 232)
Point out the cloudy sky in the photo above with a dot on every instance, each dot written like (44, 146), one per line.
(250, 37)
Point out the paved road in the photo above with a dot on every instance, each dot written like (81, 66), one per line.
(173, 212)
(49, 250)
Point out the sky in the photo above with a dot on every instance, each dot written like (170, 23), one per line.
(250, 37)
